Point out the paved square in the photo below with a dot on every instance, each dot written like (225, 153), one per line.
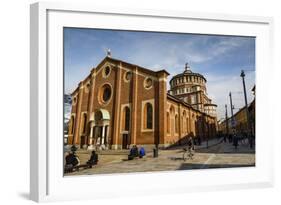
(217, 155)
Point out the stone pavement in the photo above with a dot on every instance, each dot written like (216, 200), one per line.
(218, 155)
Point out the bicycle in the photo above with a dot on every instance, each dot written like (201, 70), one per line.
(187, 153)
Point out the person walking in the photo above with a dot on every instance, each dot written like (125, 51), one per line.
(235, 141)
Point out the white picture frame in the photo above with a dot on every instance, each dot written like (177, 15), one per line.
(46, 100)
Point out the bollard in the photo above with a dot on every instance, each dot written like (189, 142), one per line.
(155, 152)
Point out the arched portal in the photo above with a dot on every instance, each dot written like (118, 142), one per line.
(99, 128)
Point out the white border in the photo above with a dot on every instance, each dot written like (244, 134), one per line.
(47, 181)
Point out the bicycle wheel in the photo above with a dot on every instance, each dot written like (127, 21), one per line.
(184, 156)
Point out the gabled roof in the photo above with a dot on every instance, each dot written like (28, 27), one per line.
(117, 61)
(145, 70)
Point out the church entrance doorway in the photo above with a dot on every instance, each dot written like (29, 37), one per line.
(125, 141)
(99, 133)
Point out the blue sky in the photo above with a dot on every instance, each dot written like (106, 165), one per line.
(219, 58)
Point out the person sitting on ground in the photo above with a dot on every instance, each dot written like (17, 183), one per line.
(142, 152)
(72, 160)
(133, 152)
(93, 159)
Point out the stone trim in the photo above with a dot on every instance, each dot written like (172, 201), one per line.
(145, 81)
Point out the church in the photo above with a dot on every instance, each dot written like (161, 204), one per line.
(120, 104)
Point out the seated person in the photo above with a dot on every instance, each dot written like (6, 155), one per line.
(93, 159)
(142, 152)
(133, 152)
(72, 160)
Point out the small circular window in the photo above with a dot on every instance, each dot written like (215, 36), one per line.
(148, 83)
(105, 93)
(106, 71)
(87, 88)
(74, 100)
(128, 76)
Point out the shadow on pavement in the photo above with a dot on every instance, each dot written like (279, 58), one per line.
(188, 166)
(228, 150)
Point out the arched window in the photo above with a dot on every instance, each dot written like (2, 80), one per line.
(176, 124)
(148, 116)
(183, 122)
(126, 115)
(71, 125)
(187, 125)
(84, 123)
(172, 114)
(168, 123)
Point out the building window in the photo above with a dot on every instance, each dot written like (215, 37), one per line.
(184, 122)
(128, 76)
(71, 126)
(105, 93)
(168, 123)
(126, 117)
(192, 99)
(176, 124)
(74, 100)
(106, 71)
(148, 83)
(84, 123)
(87, 87)
(148, 116)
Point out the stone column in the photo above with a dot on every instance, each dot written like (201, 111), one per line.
(91, 146)
(102, 135)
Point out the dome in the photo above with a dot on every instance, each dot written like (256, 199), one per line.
(188, 72)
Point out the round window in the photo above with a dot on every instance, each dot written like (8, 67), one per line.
(128, 76)
(106, 71)
(74, 100)
(105, 93)
(148, 83)
(87, 89)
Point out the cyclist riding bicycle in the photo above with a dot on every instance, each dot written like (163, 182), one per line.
(188, 150)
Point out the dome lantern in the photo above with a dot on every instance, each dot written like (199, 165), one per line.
(187, 68)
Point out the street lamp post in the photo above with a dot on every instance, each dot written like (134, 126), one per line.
(226, 121)
(231, 108)
(242, 75)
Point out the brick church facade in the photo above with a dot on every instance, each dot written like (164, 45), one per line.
(120, 104)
